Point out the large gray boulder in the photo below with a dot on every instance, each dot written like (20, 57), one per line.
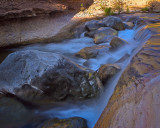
(36, 74)
(114, 22)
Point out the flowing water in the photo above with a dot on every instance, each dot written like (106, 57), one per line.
(91, 109)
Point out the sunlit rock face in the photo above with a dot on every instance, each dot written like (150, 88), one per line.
(135, 102)
(34, 74)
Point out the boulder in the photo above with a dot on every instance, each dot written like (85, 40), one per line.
(107, 71)
(91, 52)
(104, 34)
(117, 42)
(35, 74)
(75, 122)
(93, 25)
(114, 22)
(129, 25)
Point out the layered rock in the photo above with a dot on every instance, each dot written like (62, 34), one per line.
(135, 101)
(35, 74)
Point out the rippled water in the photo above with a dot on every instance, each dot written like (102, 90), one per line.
(90, 109)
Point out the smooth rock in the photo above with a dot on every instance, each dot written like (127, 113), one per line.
(91, 52)
(107, 71)
(117, 42)
(114, 22)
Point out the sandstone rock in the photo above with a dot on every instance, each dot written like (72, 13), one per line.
(129, 25)
(107, 71)
(104, 34)
(36, 74)
(114, 22)
(91, 52)
(117, 42)
(93, 25)
(75, 122)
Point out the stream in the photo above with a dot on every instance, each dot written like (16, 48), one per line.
(90, 109)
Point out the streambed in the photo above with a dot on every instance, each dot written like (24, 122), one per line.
(89, 109)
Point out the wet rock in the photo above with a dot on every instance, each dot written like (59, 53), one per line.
(114, 22)
(40, 74)
(117, 42)
(129, 25)
(93, 25)
(75, 122)
(107, 71)
(104, 34)
(91, 52)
